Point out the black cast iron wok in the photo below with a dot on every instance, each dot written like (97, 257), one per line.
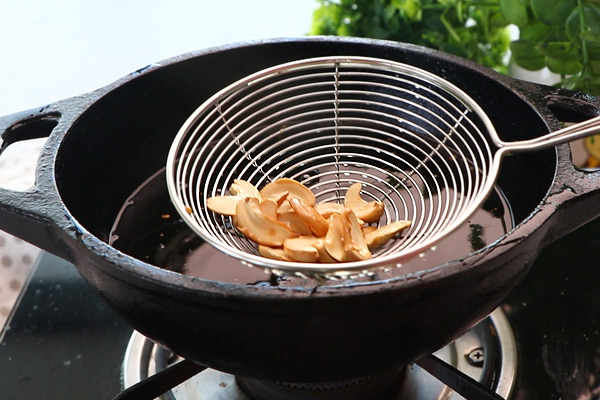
(102, 145)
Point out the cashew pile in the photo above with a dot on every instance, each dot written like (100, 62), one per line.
(287, 223)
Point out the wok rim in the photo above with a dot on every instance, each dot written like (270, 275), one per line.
(143, 274)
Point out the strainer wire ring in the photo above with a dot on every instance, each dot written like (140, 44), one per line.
(258, 102)
(278, 122)
(299, 154)
(292, 139)
(354, 61)
(303, 105)
(417, 225)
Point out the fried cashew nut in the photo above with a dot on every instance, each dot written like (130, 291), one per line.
(285, 221)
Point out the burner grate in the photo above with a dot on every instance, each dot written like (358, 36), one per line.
(486, 355)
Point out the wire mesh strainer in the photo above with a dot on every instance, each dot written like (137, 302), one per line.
(415, 141)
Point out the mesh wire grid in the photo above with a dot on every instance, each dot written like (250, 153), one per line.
(413, 140)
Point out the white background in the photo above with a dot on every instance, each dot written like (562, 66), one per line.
(50, 50)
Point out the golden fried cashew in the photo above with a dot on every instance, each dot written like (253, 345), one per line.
(327, 209)
(242, 188)
(287, 225)
(301, 249)
(275, 253)
(336, 238)
(285, 207)
(318, 225)
(269, 208)
(295, 223)
(368, 229)
(324, 255)
(357, 244)
(344, 240)
(383, 234)
(275, 189)
(224, 205)
(306, 249)
(367, 211)
(281, 199)
(256, 226)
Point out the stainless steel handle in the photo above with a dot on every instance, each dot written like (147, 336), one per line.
(577, 131)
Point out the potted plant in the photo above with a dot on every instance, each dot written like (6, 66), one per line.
(562, 35)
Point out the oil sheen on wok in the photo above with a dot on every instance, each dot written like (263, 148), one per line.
(149, 228)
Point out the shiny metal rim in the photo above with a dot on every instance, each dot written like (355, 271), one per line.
(415, 141)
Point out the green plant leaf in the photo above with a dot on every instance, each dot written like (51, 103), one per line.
(591, 17)
(515, 12)
(553, 12)
(590, 36)
(498, 20)
(475, 29)
(410, 9)
(525, 55)
(535, 31)
(557, 50)
(325, 20)
(564, 67)
(344, 30)
(573, 25)
(570, 82)
(595, 67)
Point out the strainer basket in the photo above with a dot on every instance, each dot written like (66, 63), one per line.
(413, 140)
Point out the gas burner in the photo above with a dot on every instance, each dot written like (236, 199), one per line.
(486, 354)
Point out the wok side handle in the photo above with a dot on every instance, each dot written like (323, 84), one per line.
(570, 106)
(566, 105)
(575, 197)
(26, 125)
(31, 214)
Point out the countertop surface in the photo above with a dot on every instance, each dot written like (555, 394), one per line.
(54, 50)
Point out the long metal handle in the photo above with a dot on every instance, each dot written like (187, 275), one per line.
(573, 132)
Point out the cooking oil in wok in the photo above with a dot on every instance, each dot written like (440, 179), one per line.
(149, 228)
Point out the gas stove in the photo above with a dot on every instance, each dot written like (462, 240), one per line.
(62, 342)
(487, 354)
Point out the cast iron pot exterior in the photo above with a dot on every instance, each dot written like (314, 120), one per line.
(103, 144)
